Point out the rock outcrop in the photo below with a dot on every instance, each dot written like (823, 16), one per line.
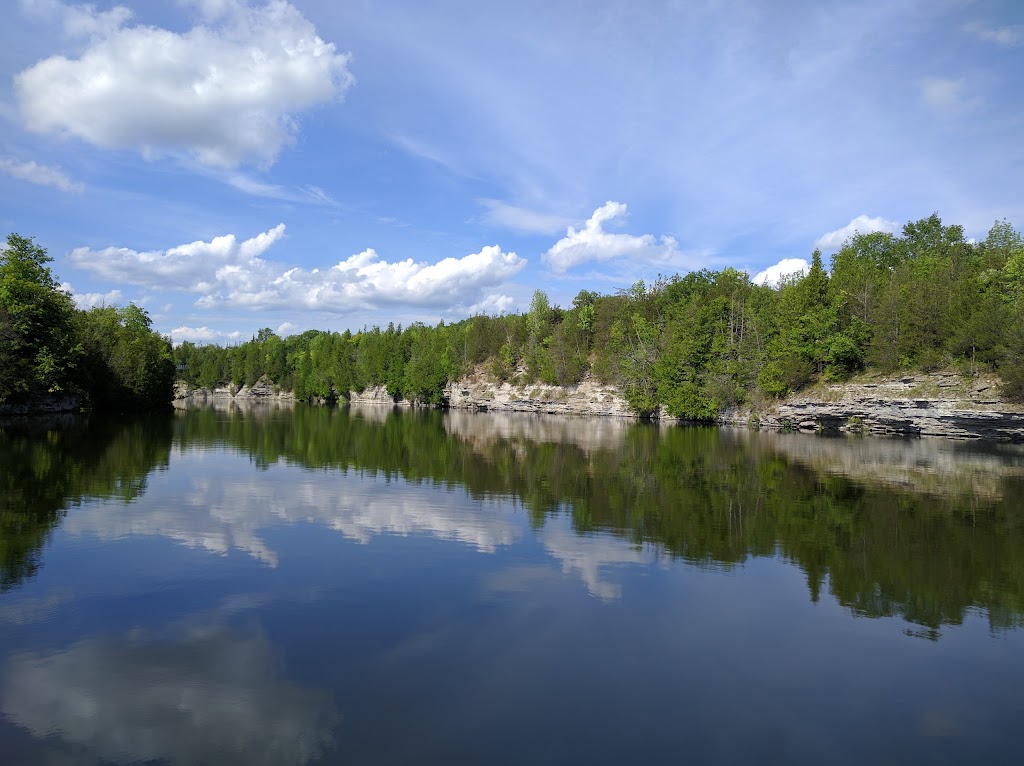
(587, 398)
(929, 404)
(44, 404)
(262, 391)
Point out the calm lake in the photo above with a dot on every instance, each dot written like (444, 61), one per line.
(377, 586)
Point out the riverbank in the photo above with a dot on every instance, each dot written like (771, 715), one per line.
(43, 404)
(945, 404)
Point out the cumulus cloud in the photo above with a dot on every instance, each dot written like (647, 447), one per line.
(202, 335)
(225, 91)
(227, 273)
(775, 273)
(593, 243)
(522, 219)
(862, 224)
(38, 174)
(193, 266)
(491, 305)
(92, 300)
(1007, 36)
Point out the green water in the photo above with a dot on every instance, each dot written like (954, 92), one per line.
(374, 586)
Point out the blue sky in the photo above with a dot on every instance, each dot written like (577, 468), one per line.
(234, 165)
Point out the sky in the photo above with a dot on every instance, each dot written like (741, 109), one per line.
(333, 164)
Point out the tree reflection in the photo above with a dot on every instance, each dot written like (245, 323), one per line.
(50, 465)
(926, 531)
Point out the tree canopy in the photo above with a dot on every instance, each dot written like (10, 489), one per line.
(697, 343)
(111, 356)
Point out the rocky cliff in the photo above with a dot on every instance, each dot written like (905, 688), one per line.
(587, 398)
(263, 391)
(928, 404)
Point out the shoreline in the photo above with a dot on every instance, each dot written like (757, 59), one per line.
(938, 404)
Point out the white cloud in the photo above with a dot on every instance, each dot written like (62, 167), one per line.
(1008, 36)
(226, 273)
(92, 300)
(521, 219)
(593, 243)
(192, 267)
(948, 95)
(202, 335)
(78, 20)
(784, 268)
(862, 224)
(39, 174)
(222, 92)
(491, 305)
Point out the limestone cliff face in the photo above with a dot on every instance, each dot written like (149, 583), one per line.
(44, 404)
(587, 398)
(929, 404)
(261, 391)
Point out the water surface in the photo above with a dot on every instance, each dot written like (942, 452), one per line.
(371, 586)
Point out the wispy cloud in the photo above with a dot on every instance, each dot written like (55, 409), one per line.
(522, 219)
(948, 95)
(33, 172)
(1008, 36)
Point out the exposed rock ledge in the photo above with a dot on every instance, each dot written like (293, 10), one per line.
(587, 398)
(261, 391)
(44, 404)
(932, 404)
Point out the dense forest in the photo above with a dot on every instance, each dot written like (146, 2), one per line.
(926, 299)
(110, 356)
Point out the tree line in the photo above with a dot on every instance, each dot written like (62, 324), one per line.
(924, 299)
(110, 356)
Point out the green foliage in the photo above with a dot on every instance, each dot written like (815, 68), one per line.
(125, 365)
(697, 343)
(112, 356)
(38, 350)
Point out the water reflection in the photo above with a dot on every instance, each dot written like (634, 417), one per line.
(198, 693)
(873, 522)
(222, 512)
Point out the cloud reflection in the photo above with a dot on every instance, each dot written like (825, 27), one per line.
(222, 514)
(209, 696)
(587, 555)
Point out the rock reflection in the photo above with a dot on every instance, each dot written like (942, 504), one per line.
(589, 434)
